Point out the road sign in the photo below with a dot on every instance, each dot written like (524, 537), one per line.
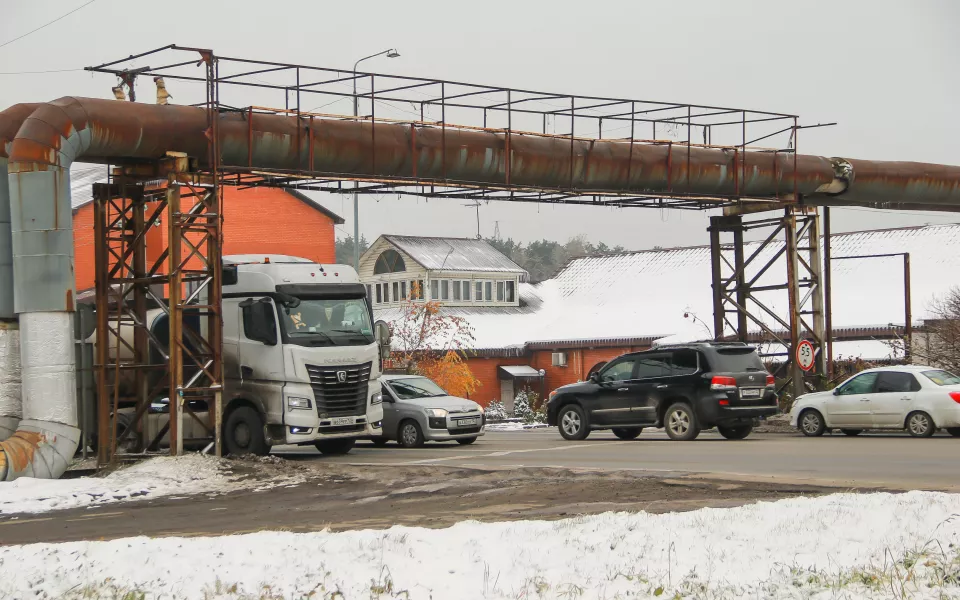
(805, 355)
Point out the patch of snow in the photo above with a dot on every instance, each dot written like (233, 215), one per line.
(153, 478)
(513, 426)
(797, 548)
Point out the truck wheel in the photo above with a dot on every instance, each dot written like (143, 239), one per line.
(466, 441)
(410, 434)
(735, 433)
(243, 432)
(335, 447)
(681, 423)
(627, 433)
(572, 423)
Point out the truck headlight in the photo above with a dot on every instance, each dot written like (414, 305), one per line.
(294, 403)
(376, 398)
(438, 413)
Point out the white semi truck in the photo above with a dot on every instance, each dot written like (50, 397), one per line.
(301, 357)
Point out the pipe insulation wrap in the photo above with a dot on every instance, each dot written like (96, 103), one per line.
(10, 404)
(48, 435)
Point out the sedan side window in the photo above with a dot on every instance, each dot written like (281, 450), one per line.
(891, 382)
(861, 384)
(621, 371)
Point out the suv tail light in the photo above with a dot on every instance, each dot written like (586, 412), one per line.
(955, 396)
(771, 380)
(723, 382)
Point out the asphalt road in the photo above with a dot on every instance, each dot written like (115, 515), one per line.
(882, 460)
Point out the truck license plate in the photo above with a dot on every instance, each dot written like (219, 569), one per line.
(343, 421)
(468, 422)
(750, 393)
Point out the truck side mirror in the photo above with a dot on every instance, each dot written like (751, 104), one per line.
(384, 338)
(259, 322)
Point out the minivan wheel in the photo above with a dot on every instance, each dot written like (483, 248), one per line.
(572, 423)
(919, 424)
(735, 433)
(681, 423)
(410, 434)
(335, 447)
(627, 433)
(811, 423)
(851, 432)
(243, 432)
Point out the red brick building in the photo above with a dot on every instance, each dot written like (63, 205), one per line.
(255, 220)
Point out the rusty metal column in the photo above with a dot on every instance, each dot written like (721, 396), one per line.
(815, 264)
(175, 391)
(140, 339)
(100, 252)
(740, 279)
(717, 270)
(827, 294)
(793, 295)
(908, 311)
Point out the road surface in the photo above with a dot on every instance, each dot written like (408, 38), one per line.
(882, 460)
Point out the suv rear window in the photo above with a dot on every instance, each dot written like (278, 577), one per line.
(736, 360)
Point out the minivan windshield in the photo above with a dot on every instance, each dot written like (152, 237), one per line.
(941, 377)
(335, 322)
(411, 388)
(736, 360)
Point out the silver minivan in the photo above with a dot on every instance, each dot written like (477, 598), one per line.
(417, 410)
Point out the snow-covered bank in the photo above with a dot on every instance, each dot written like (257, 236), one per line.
(513, 426)
(836, 546)
(161, 476)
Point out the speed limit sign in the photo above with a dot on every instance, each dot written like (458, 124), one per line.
(805, 355)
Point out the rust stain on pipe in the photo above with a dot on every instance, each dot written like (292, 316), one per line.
(18, 450)
(10, 121)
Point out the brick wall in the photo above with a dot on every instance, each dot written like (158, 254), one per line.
(256, 220)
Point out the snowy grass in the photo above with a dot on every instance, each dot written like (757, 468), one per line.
(513, 426)
(156, 477)
(839, 546)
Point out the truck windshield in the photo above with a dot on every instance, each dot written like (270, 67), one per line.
(412, 388)
(336, 322)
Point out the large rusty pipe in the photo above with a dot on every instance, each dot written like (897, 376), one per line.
(10, 404)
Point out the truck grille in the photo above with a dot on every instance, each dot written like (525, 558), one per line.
(340, 395)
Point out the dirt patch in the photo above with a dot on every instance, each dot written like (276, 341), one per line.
(341, 497)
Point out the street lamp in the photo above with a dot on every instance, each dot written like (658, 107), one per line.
(390, 53)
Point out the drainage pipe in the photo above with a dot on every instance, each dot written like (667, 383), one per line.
(10, 405)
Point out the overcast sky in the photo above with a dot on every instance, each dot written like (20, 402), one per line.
(884, 70)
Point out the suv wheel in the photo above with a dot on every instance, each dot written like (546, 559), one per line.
(735, 433)
(811, 423)
(572, 423)
(681, 423)
(627, 433)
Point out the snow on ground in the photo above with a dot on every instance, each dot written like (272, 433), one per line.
(161, 476)
(840, 546)
(513, 426)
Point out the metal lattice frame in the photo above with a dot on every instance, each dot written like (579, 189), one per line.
(741, 305)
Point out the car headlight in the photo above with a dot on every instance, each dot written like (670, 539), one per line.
(294, 403)
(376, 398)
(439, 413)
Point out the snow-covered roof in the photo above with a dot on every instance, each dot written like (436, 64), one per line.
(455, 254)
(520, 370)
(645, 294)
(82, 178)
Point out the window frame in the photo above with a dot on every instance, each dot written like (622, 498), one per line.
(664, 357)
(615, 363)
(914, 384)
(846, 384)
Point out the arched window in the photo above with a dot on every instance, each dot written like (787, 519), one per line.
(389, 261)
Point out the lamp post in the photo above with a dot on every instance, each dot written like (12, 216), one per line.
(390, 53)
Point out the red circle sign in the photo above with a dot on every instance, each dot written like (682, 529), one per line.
(805, 355)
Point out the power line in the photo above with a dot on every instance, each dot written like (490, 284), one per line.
(7, 43)
(38, 72)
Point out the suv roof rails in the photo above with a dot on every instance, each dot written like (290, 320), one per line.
(699, 345)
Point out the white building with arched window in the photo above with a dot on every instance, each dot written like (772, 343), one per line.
(454, 271)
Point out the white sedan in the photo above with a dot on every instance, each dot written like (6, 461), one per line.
(918, 399)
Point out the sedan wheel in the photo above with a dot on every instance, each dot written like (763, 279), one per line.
(573, 423)
(919, 424)
(811, 424)
(410, 435)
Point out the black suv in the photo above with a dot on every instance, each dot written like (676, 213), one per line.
(683, 389)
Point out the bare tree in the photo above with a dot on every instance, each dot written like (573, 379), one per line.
(937, 343)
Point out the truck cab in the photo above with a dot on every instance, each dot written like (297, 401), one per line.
(301, 356)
